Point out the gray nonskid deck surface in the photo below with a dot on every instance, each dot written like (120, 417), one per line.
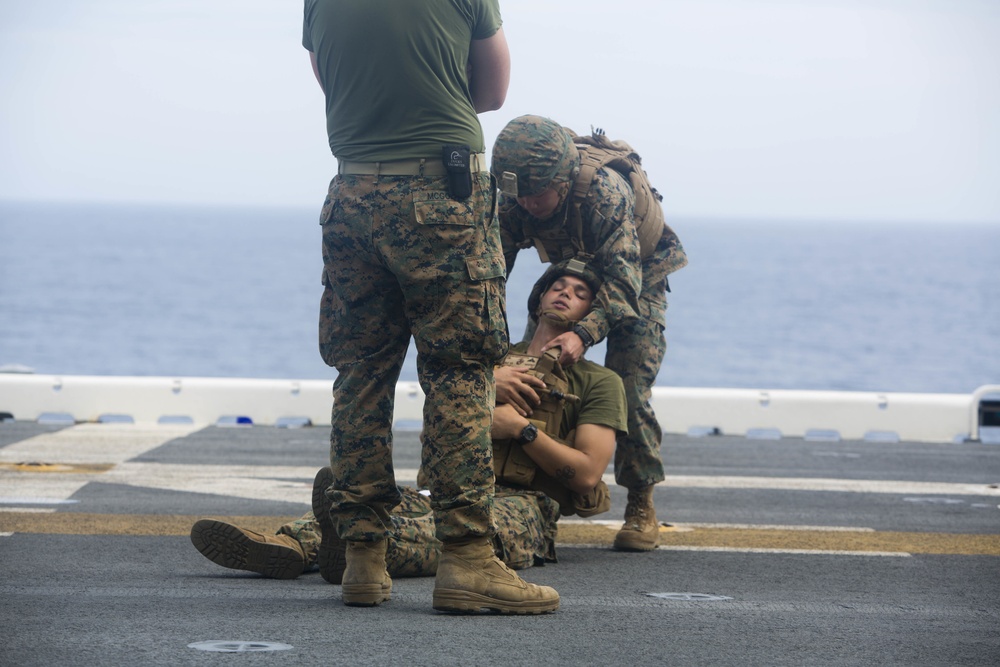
(143, 599)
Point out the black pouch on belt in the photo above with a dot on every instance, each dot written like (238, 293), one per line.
(456, 163)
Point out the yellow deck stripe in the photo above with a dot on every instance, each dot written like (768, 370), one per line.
(73, 523)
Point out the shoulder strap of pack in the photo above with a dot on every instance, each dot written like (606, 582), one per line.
(597, 151)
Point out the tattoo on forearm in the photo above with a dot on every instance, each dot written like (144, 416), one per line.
(565, 474)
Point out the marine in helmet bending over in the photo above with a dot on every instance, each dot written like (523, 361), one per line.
(551, 449)
(547, 203)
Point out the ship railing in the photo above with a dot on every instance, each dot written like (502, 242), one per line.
(753, 413)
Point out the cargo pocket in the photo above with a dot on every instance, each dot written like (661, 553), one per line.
(452, 220)
(328, 204)
(654, 309)
(597, 501)
(511, 465)
(489, 271)
(327, 321)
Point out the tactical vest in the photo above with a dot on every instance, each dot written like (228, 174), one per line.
(512, 466)
(597, 151)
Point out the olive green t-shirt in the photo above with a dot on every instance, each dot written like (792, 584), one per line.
(394, 73)
(602, 396)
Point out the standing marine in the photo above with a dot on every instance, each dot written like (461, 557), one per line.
(563, 195)
(411, 249)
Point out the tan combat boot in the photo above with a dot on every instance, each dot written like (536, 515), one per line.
(640, 532)
(332, 555)
(366, 582)
(471, 578)
(274, 556)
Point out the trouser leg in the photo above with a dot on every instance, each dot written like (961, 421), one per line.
(362, 334)
(457, 453)
(414, 550)
(635, 351)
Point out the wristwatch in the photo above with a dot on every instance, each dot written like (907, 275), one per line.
(584, 335)
(528, 434)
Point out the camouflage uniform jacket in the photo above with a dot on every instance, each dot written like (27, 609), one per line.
(608, 234)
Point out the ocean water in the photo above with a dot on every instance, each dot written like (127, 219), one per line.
(100, 289)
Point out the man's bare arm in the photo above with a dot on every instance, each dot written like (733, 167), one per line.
(312, 59)
(489, 64)
(579, 467)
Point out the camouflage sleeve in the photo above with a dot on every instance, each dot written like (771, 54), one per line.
(608, 227)
(511, 232)
(667, 257)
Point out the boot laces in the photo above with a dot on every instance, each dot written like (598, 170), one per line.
(636, 513)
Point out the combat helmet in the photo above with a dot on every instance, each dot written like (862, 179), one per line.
(569, 267)
(531, 153)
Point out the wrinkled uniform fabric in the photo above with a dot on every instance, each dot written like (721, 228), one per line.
(526, 532)
(395, 73)
(630, 307)
(401, 259)
(525, 519)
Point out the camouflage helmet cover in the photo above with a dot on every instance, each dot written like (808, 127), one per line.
(570, 267)
(537, 151)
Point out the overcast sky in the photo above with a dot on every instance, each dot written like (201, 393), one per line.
(808, 109)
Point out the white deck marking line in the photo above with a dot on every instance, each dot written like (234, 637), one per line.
(83, 443)
(616, 524)
(274, 483)
(26, 510)
(826, 484)
(804, 552)
(294, 483)
(31, 500)
(749, 526)
(801, 484)
(754, 550)
(93, 443)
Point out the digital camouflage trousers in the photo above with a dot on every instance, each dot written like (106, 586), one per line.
(526, 532)
(402, 259)
(635, 351)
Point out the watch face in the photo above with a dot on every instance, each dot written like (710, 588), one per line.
(528, 433)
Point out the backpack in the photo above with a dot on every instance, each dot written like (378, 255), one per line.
(597, 151)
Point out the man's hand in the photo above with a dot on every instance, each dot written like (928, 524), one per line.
(516, 387)
(507, 422)
(572, 348)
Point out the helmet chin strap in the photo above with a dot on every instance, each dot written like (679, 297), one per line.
(563, 189)
(557, 319)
